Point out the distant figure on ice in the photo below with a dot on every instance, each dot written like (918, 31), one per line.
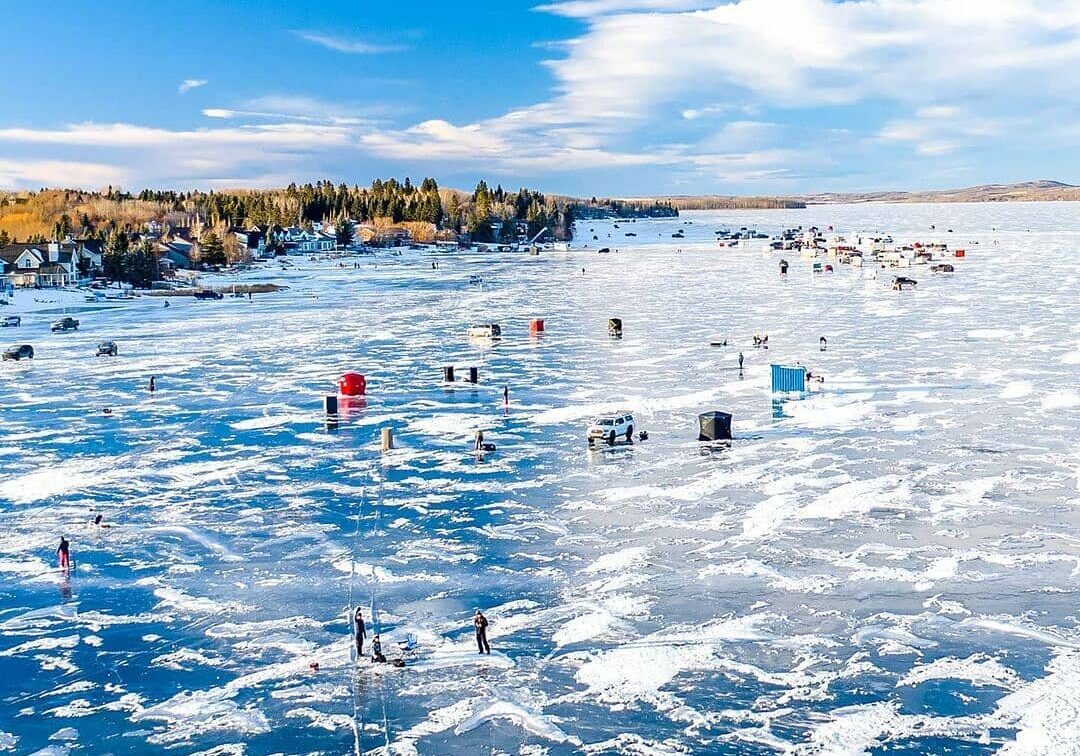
(480, 623)
(376, 651)
(479, 440)
(506, 396)
(361, 633)
(740, 361)
(824, 343)
(166, 303)
(153, 385)
(63, 554)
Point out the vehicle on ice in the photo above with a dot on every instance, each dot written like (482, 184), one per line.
(19, 352)
(209, 294)
(107, 349)
(11, 321)
(485, 331)
(65, 324)
(611, 427)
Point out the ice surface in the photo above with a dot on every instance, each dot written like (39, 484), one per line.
(888, 563)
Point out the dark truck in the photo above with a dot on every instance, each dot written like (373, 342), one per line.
(65, 324)
(19, 352)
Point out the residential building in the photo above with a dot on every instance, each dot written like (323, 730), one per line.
(48, 264)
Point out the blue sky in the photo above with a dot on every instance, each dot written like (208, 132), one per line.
(606, 97)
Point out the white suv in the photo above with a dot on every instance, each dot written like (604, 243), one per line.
(610, 427)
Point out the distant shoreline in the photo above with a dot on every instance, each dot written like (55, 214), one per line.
(1030, 191)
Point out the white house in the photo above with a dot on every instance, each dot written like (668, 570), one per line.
(313, 241)
(49, 264)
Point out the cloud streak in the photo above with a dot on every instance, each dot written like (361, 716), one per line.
(349, 46)
(189, 84)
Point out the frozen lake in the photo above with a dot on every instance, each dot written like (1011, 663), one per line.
(887, 565)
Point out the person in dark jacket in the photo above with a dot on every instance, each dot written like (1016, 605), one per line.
(153, 385)
(823, 342)
(740, 360)
(360, 630)
(63, 553)
(376, 651)
(480, 623)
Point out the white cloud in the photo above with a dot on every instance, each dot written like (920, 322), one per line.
(640, 60)
(697, 88)
(184, 157)
(589, 8)
(350, 46)
(939, 111)
(131, 136)
(58, 173)
(942, 129)
(189, 84)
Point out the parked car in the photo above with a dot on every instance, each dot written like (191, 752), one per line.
(208, 294)
(11, 321)
(106, 349)
(65, 324)
(610, 427)
(19, 352)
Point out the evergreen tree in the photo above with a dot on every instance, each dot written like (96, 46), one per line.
(344, 232)
(114, 259)
(212, 250)
(141, 268)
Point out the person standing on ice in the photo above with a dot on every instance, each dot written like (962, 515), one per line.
(480, 624)
(824, 343)
(740, 361)
(479, 440)
(506, 396)
(153, 385)
(361, 632)
(63, 554)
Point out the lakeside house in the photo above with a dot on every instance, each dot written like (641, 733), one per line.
(315, 240)
(252, 241)
(48, 264)
(175, 254)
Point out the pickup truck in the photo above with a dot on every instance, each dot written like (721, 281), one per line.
(610, 427)
(65, 324)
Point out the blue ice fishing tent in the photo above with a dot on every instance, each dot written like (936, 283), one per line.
(788, 378)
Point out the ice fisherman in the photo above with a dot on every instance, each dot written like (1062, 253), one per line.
(361, 632)
(153, 385)
(479, 440)
(740, 361)
(824, 343)
(480, 623)
(506, 396)
(376, 651)
(63, 553)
